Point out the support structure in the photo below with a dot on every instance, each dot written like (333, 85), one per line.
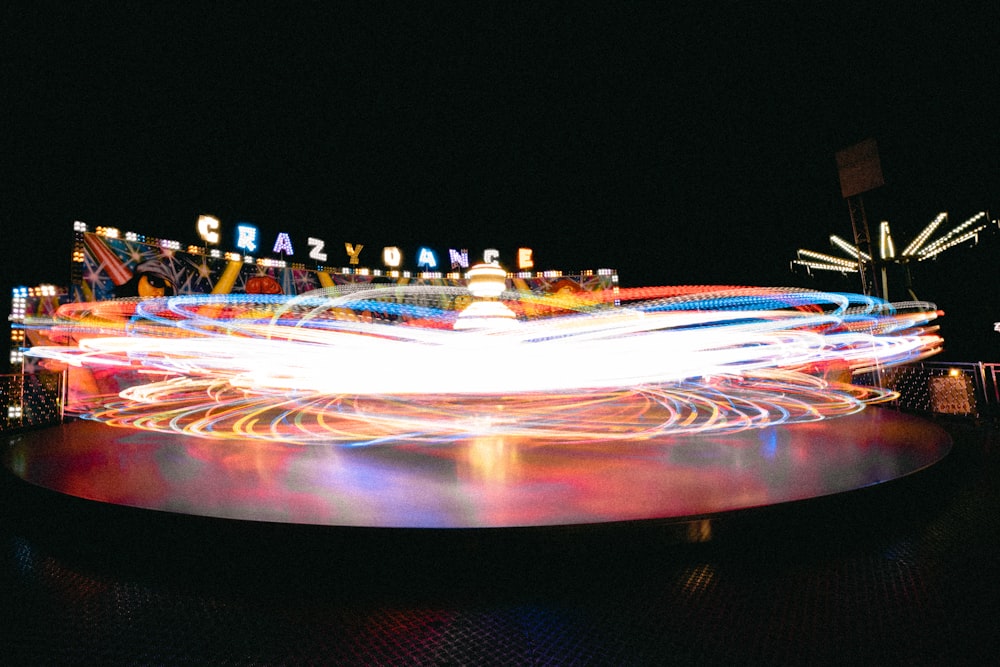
(863, 244)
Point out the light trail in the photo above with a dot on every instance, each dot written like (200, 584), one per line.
(372, 365)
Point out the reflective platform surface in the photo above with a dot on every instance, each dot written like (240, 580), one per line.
(480, 483)
(901, 573)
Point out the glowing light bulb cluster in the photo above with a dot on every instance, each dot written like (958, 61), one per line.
(19, 298)
(887, 249)
(954, 237)
(360, 365)
(838, 262)
(925, 234)
(918, 249)
(850, 249)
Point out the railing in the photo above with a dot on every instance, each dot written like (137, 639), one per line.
(961, 389)
(991, 380)
(30, 400)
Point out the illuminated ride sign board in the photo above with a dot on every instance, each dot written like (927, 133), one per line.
(247, 239)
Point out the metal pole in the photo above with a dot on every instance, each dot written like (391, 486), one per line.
(862, 241)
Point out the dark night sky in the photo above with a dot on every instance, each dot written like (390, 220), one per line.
(675, 143)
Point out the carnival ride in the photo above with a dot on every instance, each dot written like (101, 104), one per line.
(363, 365)
(920, 249)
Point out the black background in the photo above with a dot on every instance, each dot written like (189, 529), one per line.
(676, 142)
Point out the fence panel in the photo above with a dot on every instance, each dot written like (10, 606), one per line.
(961, 389)
(29, 400)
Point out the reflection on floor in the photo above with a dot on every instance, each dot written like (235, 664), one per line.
(487, 482)
(901, 572)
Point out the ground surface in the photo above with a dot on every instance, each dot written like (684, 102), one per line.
(903, 572)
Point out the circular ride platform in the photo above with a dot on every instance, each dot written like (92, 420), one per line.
(486, 482)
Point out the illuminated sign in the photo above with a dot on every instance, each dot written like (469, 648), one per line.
(392, 257)
(110, 265)
(208, 229)
(316, 249)
(246, 237)
(353, 251)
(459, 259)
(283, 244)
(426, 258)
(524, 260)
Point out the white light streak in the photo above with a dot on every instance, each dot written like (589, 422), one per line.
(312, 369)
